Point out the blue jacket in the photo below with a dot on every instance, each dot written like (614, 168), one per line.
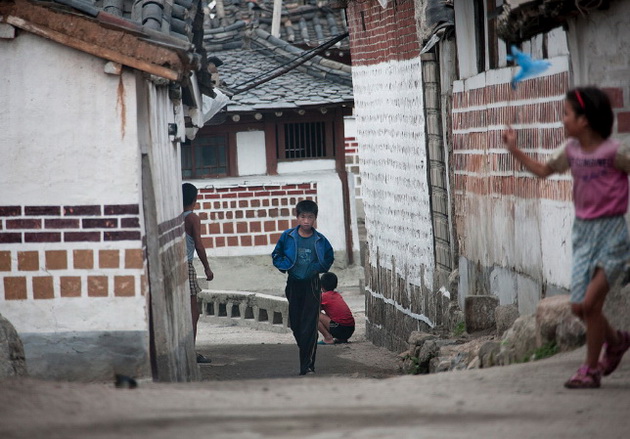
(285, 253)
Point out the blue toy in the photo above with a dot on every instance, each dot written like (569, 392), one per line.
(529, 67)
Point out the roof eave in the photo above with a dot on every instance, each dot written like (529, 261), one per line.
(110, 41)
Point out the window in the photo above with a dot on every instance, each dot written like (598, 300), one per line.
(303, 140)
(205, 156)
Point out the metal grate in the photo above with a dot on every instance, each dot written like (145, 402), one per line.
(304, 140)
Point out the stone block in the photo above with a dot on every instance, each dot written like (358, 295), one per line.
(556, 323)
(519, 341)
(488, 353)
(505, 316)
(418, 338)
(12, 359)
(479, 312)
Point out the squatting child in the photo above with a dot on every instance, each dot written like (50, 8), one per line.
(599, 166)
(304, 253)
(336, 322)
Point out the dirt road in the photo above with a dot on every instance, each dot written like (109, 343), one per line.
(251, 390)
(521, 401)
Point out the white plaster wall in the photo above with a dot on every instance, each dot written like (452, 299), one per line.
(465, 35)
(67, 133)
(599, 46)
(350, 126)
(77, 314)
(69, 137)
(309, 165)
(330, 219)
(250, 152)
(390, 129)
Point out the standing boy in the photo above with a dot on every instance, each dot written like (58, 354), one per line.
(192, 226)
(303, 252)
(336, 322)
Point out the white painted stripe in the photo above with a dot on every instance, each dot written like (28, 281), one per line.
(399, 307)
(78, 314)
(559, 64)
(511, 103)
(520, 126)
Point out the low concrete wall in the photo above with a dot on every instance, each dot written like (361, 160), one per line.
(261, 311)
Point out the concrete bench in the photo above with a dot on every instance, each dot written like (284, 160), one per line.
(261, 311)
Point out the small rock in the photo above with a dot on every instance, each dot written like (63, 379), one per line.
(505, 316)
(488, 353)
(474, 364)
(12, 359)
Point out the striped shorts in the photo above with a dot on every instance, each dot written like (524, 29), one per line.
(192, 278)
(598, 243)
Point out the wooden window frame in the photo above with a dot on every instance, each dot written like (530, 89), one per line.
(230, 154)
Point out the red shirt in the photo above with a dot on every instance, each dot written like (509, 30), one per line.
(336, 308)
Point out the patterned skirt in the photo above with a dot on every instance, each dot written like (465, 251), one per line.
(192, 278)
(598, 243)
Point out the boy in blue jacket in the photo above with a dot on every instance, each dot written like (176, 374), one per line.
(303, 252)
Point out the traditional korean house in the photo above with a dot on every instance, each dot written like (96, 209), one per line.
(282, 136)
(96, 98)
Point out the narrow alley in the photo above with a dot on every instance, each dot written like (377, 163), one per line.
(252, 390)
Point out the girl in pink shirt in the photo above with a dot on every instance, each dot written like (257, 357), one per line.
(599, 167)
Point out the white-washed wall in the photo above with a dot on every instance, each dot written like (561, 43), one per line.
(71, 256)
(391, 132)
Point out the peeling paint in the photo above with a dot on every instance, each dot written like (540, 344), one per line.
(120, 103)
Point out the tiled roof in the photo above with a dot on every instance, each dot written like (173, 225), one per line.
(163, 33)
(248, 53)
(294, 89)
(521, 20)
(172, 24)
(307, 23)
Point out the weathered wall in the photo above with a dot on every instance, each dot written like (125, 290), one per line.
(387, 77)
(173, 350)
(71, 255)
(600, 55)
(510, 243)
(90, 186)
(515, 230)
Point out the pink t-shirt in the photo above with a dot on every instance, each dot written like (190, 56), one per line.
(600, 180)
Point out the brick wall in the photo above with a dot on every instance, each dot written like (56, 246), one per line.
(249, 216)
(482, 165)
(514, 229)
(51, 252)
(378, 35)
(387, 79)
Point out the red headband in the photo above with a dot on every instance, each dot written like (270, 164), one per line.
(580, 100)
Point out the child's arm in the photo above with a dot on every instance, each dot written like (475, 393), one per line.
(195, 222)
(280, 261)
(535, 167)
(622, 158)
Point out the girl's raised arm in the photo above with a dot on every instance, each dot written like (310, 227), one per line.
(537, 168)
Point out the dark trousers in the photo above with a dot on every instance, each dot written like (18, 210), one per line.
(304, 298)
